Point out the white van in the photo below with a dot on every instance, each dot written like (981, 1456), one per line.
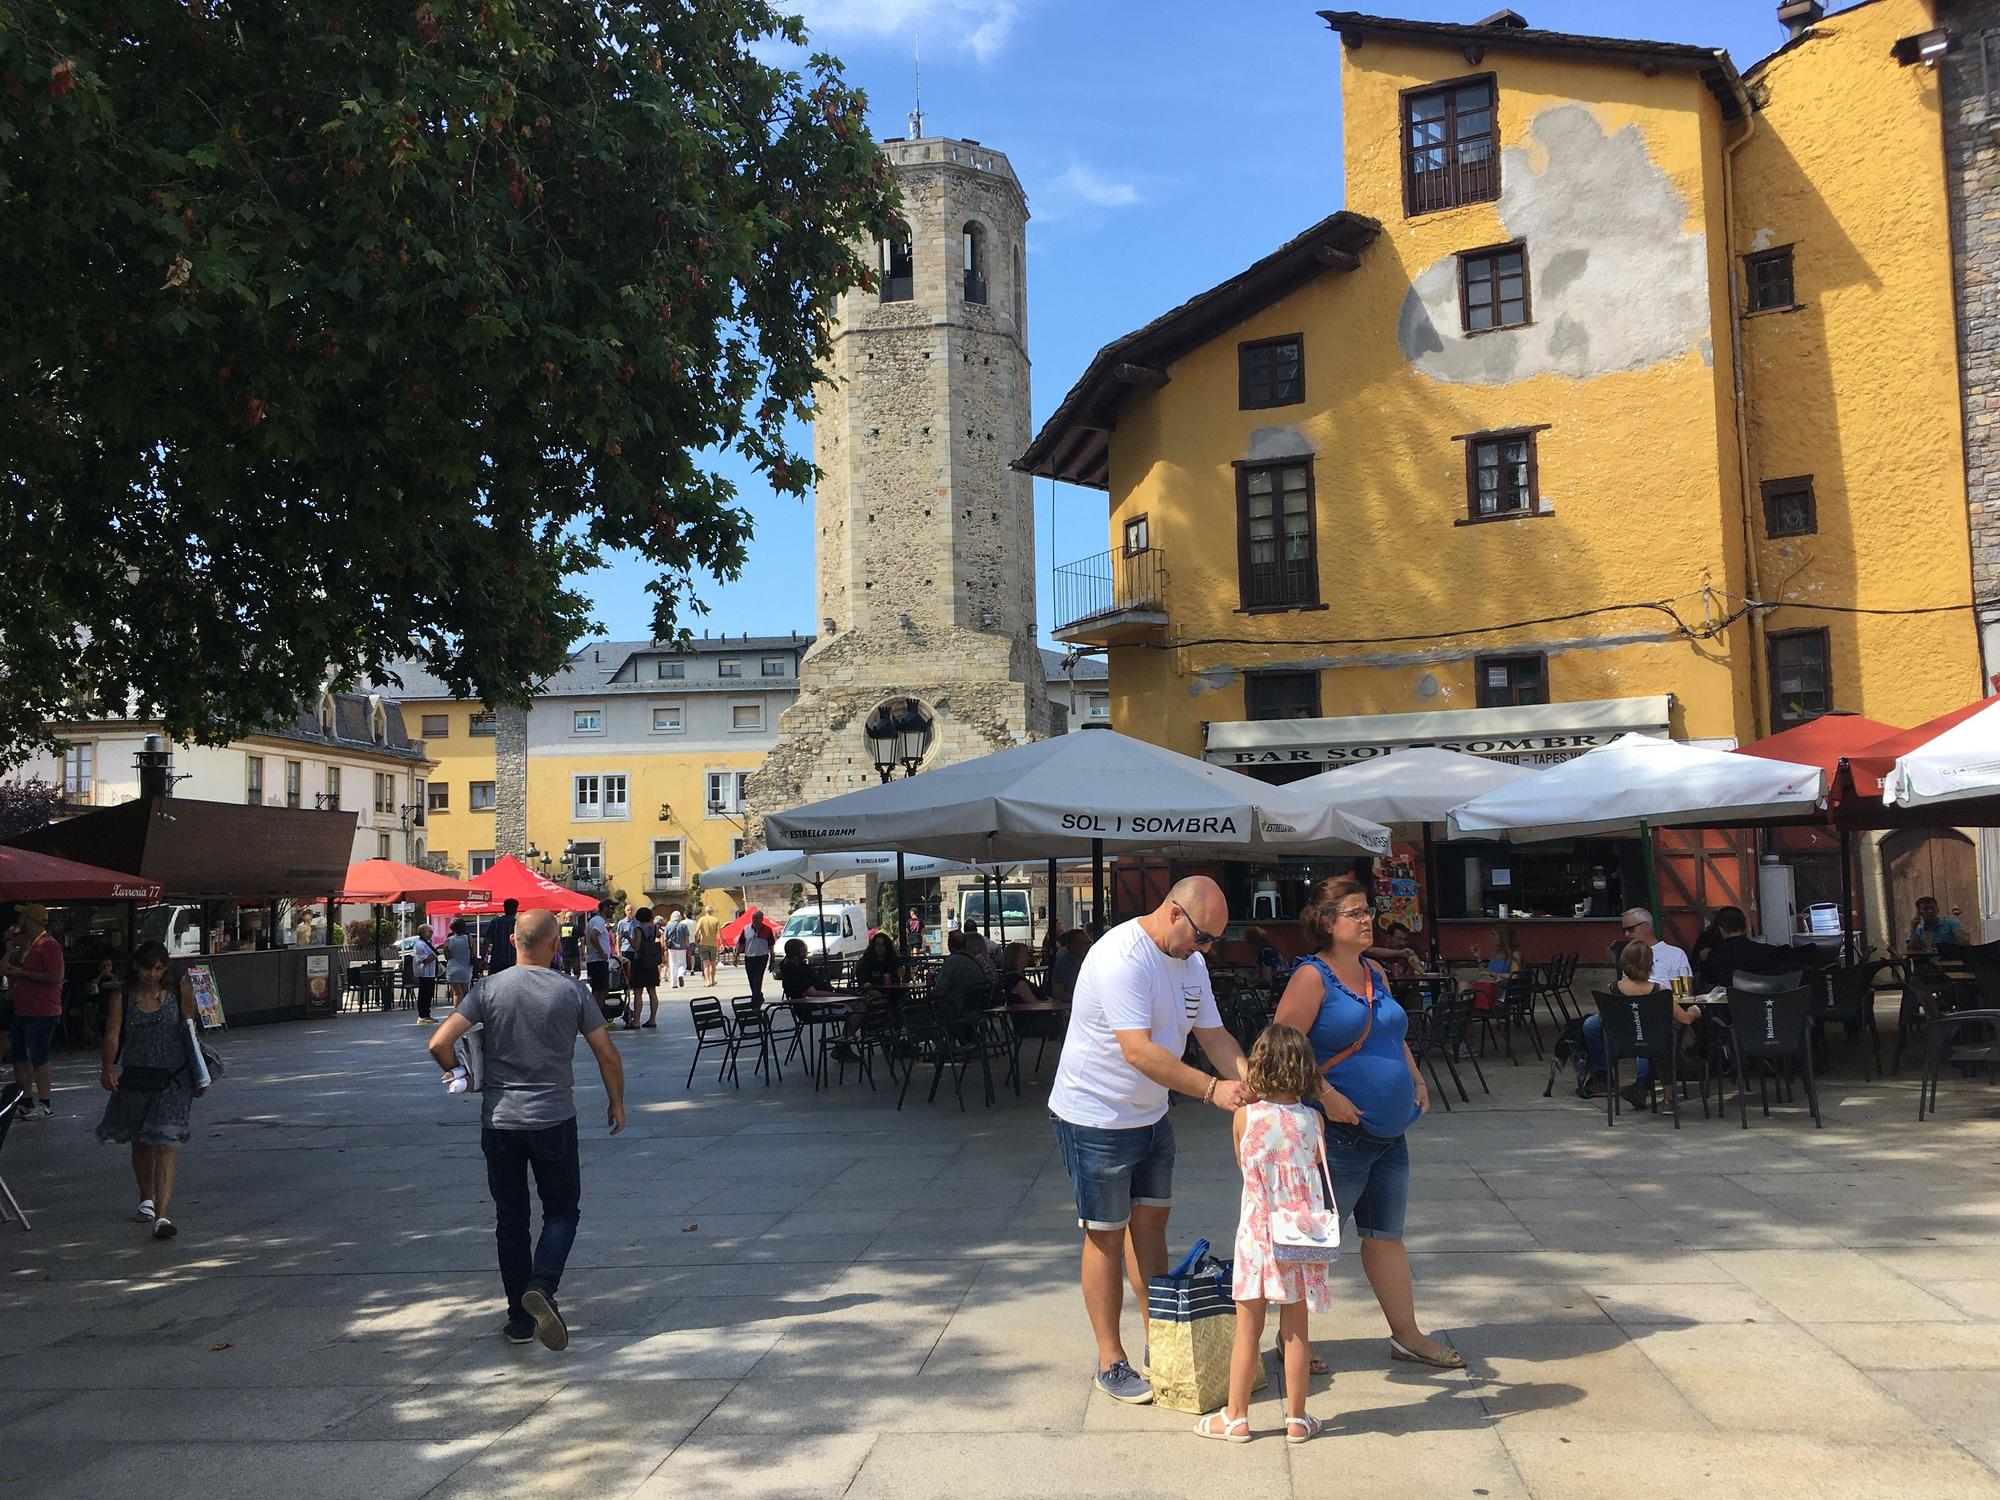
(845, 927)
(1013, 913)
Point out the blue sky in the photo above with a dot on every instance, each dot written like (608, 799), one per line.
(1163, 144)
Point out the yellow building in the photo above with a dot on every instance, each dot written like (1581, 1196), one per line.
(1620, 384)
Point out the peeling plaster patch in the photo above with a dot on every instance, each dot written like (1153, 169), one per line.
(1212, 680)
(1761, 240)
(1616, 281)
(1427, 686)
(1279, 442)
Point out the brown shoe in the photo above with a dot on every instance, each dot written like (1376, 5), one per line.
(1637, 1095)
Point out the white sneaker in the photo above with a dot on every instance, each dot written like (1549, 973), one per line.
(30, 1111)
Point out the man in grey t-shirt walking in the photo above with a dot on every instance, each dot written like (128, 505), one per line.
(533, 1015)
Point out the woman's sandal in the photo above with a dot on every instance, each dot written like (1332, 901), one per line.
(1317, 1367)
(1452, 1359)
(1311, 1424)
(145, 1215)
(1223, 1428)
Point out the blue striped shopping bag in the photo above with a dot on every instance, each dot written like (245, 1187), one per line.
(1190, 1329)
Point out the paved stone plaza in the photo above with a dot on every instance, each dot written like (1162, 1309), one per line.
(777, 1293)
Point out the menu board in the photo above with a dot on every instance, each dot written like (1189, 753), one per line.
(207, 998)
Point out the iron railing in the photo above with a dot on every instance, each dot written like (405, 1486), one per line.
(1110, 583)
(1440, 179)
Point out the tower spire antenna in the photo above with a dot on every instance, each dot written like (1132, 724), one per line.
(917, 114)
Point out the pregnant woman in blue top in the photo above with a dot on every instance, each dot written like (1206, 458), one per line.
(1373, 1093)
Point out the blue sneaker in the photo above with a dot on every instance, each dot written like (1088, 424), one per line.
(1122, 1383)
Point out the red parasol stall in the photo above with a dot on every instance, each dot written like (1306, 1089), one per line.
(384, 882)
(26, 876)
(509, 879)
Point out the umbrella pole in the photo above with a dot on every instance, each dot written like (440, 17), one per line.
(819, 900)
(1051, 925)
(1652, 878)
(1846, 898)
(902, 923)
(1097, 884)
(1000, 895)
(1430, 901)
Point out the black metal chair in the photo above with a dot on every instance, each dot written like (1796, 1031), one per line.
(1514, 1008)
(879, 1035)
(1642, 1027)
(711, 1029)
(1927, 997)
(1775, 1033)
(1745, 983)
(1941, 1046)
(1447, 1020)
(1551, 987)
(10, 1207)
(929, 1040)
(1848, 996)
(749, 1021)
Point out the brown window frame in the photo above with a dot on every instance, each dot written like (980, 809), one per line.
(442, 732)
(1781, 489)
(1777, 638)
(1251, 679)
(1143, 523)
(1482, 694)
(1454, 198)
(437, 796)
(1473, 441)
(1243, 575)
(1753, 263)
(483, 726)
(1465, 280)
(1244, 350)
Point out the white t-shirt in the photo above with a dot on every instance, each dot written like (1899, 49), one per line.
(1126, 984)
(1669, 964)
(597, 939)
(423, 958)
(625, 930)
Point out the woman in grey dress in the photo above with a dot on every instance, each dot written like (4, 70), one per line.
(458, 961)
(149, 1075)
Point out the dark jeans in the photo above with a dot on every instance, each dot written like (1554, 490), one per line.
(426, 992)
(753, 970)
(551, 1154)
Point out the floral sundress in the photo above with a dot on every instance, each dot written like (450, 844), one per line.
(1279, 1143)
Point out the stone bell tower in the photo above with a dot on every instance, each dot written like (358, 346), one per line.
(925, 536)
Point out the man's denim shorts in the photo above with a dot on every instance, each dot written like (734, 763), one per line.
(1114, 1169)
(1371, 1180)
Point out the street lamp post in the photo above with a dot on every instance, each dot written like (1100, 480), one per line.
(899, 734)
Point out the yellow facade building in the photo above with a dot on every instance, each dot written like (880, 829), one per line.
(1620, 396)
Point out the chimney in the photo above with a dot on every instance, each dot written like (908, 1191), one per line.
(156, 768)
(1797, 16)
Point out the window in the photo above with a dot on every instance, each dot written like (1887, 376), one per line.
(672, 670)
(668, 718)
(1788, 507)
(773, 666)
(437, 726)
(253, 780)
(294, 775)
(587, 721)
(666, 864)
(1138, 535)
(729, 666)
(1800, 682)
(1448, 147)
(333, 788)
(484, 726)
(1100, 705)
(726, 791)
(1270, 372)
(381, 846)
(1276, 559)
(1502, 681)
(437, 796)
(326, 716)
(79, 772)
(479, 796)
(385, 792)
(1500, 474)
(599, 797)
(899, 282)
(738, 847)
(586, 862)
(1493, 288)
(975, 264)
(617, 803)
(1281, 695)
(745, 716)
(479, 862)
(419, 802)
(1767, 279)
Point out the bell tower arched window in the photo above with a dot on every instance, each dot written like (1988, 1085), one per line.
(898, 266)
(975, 264)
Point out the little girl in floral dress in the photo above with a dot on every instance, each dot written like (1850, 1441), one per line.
(1279, 1145)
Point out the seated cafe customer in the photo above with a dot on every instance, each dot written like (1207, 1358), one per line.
(1635, 977)
(1733, 951)
(1016, 988)
(1665, 961)
(796, 975)
(1929, 929)
(960, 984)
(1068, 964)
(881, 966)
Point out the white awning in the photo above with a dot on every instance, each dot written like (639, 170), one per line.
(1534, 734)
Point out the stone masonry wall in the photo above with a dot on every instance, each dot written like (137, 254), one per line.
(1972, 178)
(510, 792)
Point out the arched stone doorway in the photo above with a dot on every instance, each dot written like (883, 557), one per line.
(1938, 862)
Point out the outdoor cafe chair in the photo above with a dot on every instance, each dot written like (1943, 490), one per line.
(1446, 1020)
(1550, 985)
(1642, 1027)
(1773, 1032)
(930, 1041)
(880, 1034)
(711, 1029)
(1743, 982)
(1942, 1045)
(10, 1207)
(1926, 998)
(1515, 1007)
(1848, 997)
(749, 1022)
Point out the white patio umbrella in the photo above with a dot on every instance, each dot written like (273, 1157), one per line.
(1638, 783)
(1961, 762)
(1078, 794)
(823, 865)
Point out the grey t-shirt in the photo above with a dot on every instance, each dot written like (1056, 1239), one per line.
(533, 1017)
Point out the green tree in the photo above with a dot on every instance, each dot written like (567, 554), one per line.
(343, 333)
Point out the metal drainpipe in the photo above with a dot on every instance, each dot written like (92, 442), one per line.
(1754, 619)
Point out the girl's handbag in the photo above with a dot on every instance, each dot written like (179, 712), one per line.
(1307, 1236)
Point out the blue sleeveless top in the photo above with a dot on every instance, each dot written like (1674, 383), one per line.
(1377, 1078)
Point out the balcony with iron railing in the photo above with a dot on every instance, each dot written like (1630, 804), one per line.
(1112, 599)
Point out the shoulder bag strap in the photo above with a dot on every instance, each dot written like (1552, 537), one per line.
(1327, 978)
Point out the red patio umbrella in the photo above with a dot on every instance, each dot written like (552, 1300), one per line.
(384, 882)
(26, 876)
(510, 879)
(1872, 763)
(729, 934)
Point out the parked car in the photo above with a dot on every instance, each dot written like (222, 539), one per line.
(845, 929)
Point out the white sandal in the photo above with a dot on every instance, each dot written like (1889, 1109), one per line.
(1227, 1431)
(1311, 1425)
(145, 1215)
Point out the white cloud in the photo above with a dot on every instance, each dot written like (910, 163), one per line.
(1087, 186)
(981, 27)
